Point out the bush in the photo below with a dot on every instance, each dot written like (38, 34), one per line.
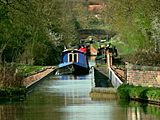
(143, 93)
(27, 70)
(123, 91)
(153, 94)
(12, 92)
(144, 58)
(136, 92)
(9, 77)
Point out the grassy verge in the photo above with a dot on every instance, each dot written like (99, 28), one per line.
(13, 93)
(139, 93)
(27, 70)
(11, 79)
(123, 49)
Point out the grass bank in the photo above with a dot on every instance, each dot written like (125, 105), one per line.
(139, 93)
(27, 70)
(13, 93)
(123, 48)
(11, 79)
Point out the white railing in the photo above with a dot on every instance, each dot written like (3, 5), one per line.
(116, 82)
(93, 77)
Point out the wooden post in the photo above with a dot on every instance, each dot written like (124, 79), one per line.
(109, 58)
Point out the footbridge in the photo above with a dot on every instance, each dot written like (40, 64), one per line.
(97, 33)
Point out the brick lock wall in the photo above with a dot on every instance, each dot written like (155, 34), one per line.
(143, 75)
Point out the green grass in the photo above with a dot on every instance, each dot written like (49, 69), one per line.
(12, 92)
(103, 27)
(123, 49)
(26, 70)
(134, 92)
(14, 88)
(95, 45)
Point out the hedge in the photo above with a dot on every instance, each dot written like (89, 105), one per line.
(12, 92)
(126, 91)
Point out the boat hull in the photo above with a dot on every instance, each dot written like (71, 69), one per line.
(74, 62)
(73, 69)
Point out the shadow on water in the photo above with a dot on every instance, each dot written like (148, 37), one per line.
(72, 77)
(67, 98)
(139, 111)
(101, 80)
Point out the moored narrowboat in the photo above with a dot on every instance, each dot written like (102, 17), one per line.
(74, 62)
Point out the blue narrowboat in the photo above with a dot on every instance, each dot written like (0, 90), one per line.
(74, 62)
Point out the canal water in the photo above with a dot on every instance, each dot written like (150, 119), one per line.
(67, 98)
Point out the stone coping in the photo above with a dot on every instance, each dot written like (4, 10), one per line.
(30, 80)
(130, 66)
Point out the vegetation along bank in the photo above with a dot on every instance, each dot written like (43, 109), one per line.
(139, 93)
(17, 79)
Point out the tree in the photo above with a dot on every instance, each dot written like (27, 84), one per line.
(26, 26)
(132, 20)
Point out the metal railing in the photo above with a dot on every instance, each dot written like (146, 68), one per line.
(93, 77)
(116, 82)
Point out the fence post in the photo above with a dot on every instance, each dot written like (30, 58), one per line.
(93, 77)
(109, 58)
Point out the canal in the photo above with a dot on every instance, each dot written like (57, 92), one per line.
(67, 98)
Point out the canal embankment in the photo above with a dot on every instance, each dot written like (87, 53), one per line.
(143, 92)
(101, 77)
(14, 84)
(103, 88)
(36, 77)
(138, 93)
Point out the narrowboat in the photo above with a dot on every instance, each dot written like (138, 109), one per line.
(74, 62)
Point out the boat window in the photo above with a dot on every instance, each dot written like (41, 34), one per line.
(70, 58)
(75, 57)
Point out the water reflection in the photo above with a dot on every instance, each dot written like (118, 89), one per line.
(139, 111)
(102, 110)
(67, 98)
(72, 77)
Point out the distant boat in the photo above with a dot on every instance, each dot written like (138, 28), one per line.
(74, 62)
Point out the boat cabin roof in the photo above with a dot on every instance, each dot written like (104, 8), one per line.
(71, 51)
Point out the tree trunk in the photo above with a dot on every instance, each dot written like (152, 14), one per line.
(1, 52)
